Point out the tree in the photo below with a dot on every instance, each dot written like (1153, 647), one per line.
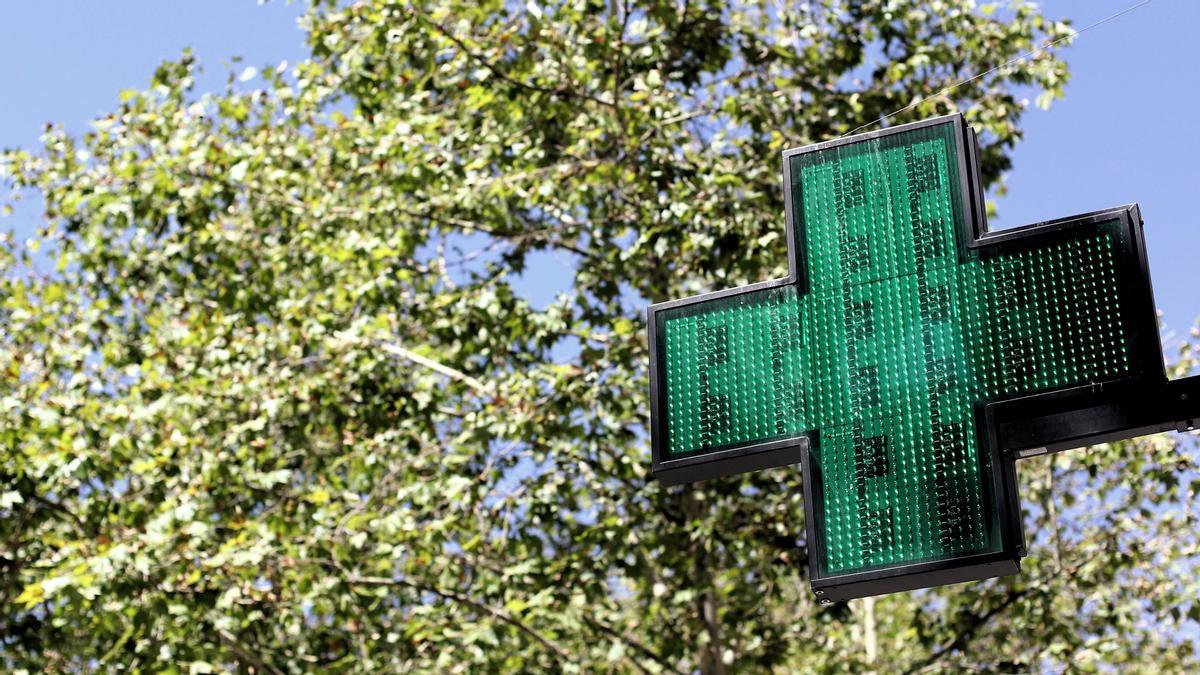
(271, 403)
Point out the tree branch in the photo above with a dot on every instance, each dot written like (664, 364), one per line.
(968, 633)
(499, 74)
(536, 235)
(244, 655)
(83, 527)
(711, 655)
(632, 642)
(397, 350)
(559, 653)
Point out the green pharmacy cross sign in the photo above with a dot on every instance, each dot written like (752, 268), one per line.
(910, 357)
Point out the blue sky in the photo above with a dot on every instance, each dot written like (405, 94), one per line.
(1126, 132)
(1123, 134)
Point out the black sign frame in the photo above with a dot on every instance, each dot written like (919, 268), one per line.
(1008, 428)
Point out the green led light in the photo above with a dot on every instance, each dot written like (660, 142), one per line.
(736, 372)
(901, 329)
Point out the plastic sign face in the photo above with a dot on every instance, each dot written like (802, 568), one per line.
(872, 361)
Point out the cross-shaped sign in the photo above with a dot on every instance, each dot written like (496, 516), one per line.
(907, 356)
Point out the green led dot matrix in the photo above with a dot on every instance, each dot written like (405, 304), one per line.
(902, 314)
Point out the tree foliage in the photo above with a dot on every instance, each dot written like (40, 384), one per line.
(270, 401)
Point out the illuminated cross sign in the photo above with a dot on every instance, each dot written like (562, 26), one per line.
(908, 357)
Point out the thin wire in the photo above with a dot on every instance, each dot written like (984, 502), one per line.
(1002, 65)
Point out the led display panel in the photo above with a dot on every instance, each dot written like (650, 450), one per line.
(901, 316)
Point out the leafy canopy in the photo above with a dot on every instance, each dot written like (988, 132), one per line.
(271, 403)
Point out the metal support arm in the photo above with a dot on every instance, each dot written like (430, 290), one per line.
(1036, 425)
